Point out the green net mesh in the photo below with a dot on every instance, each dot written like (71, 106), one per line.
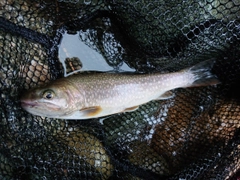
(194, 135)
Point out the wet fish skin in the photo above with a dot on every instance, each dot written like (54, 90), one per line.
(84, 96)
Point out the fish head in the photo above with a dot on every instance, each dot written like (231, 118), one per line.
(55, 100)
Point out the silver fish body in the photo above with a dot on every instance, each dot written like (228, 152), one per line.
(85, 96)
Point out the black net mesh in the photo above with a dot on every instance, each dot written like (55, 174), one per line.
(194, 135)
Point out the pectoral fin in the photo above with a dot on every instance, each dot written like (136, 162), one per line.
(91, 111)
(166, 95)
(131, 109)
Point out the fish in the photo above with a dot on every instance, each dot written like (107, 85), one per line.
(93, 95)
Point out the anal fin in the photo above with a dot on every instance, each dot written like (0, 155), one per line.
(166, 95)
(131, 109)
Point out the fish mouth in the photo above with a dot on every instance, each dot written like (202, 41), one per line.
(28, 104)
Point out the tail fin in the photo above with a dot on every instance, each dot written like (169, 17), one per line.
(202, 75)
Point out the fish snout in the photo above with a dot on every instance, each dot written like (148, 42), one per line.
(28, 104)
(27, 100)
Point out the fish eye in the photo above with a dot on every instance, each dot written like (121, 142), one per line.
(48, 94)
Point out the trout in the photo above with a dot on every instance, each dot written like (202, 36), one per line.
(85, 96)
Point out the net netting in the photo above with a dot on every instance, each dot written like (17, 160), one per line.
(194, 135)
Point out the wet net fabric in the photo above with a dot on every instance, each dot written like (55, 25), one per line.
(194, 135)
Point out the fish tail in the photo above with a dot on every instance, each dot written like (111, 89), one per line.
(201, 74)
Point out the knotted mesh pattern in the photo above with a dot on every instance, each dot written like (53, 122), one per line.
(194, 135)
